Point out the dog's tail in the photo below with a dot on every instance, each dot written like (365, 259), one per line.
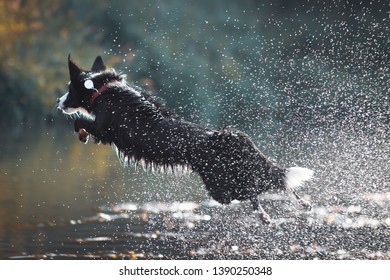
(295, 176)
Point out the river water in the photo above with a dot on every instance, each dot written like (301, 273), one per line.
(61, 199)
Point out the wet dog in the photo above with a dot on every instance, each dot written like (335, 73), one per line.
(145, 132)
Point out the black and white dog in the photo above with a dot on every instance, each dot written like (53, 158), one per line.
(144, 131)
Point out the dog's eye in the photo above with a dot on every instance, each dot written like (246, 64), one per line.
(88, 84)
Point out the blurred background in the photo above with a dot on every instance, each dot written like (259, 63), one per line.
(219, 62)
(307, 80)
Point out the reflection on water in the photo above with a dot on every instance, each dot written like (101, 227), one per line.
(48, 176)
(61, 199)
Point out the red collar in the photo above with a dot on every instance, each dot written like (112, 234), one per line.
(96, 93)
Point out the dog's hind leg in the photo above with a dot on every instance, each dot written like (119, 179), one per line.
(304, 203)
(264, 217)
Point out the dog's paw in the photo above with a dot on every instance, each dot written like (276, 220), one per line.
(305, 204)
(83, 135)
(265, 218)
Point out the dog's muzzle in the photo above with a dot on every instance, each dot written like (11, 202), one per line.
(61, 102)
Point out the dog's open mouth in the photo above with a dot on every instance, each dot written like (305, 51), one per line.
(75, 113)
(68, 111)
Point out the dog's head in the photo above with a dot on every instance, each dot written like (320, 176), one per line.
(83, 84)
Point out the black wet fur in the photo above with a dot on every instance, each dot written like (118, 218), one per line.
(144, 130)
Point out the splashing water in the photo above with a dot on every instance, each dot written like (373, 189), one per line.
(310, 88)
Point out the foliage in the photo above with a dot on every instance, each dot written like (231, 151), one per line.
(36, 37)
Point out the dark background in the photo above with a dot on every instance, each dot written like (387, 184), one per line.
(308, 81)
(254, 64)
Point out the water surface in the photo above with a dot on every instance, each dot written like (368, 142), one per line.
(61, 199)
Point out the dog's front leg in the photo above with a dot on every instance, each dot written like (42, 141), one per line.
(264, 217)
(85, 127)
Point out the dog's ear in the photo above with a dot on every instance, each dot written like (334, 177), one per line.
(98, 65)
(74, 70)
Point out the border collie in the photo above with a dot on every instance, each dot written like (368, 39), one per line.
(144, 131)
